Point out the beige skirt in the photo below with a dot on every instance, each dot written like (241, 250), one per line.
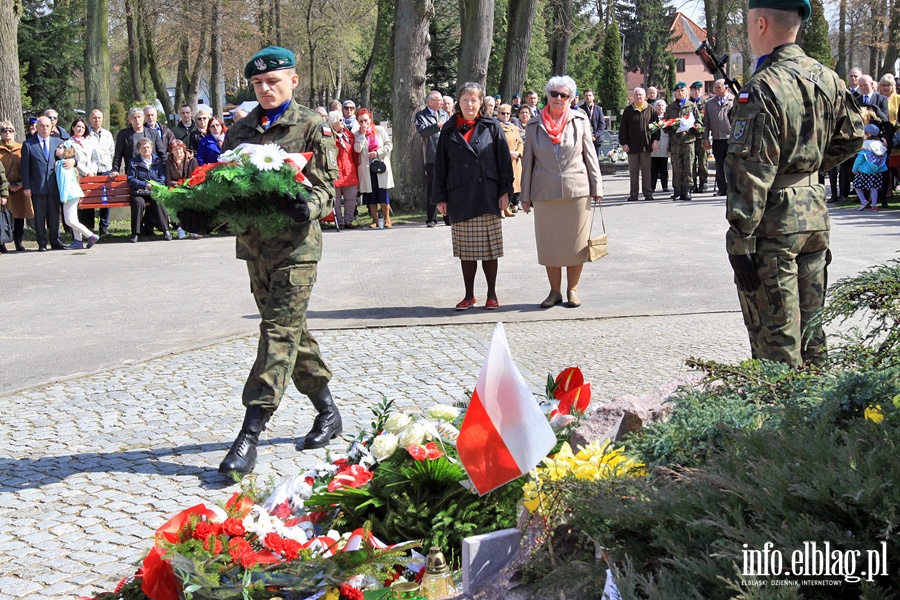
(480, 238)
(561, 231)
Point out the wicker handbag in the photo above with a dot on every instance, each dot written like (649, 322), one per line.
(597, 246)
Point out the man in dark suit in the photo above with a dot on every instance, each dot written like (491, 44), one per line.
(595, 115)
(428, 123)
(39, 183)
(128, 137)
(867, 96)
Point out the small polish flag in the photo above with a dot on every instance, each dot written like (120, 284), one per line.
(744, 97)
(505, 433)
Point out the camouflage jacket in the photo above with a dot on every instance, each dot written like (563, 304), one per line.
(676, 111)
(794, 117)
(298, 130)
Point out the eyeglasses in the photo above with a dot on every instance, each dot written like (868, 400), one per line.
(555, 94)
(503, 113)
(349, 108)
(53, 118)
(7, 130)
(203, 118)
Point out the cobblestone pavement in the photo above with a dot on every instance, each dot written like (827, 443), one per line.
(92, 466)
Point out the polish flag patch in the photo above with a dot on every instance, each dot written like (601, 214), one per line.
(744, 97)
(326, 131)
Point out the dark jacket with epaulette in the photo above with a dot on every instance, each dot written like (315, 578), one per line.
(793, 118)
(299, 129)
(471, 177)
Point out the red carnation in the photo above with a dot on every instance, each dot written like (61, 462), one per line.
(291, 549)
(239, 503)
(239, 549)
(233, 528)
(199, 174)
(213, 544)
(348, 592)
(204, 529)
(274, 542)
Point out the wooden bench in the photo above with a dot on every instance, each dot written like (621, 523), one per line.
(118, 193)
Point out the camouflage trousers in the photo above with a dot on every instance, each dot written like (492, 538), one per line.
(682, 163)
(778, 314)
(286, 347)
(701, 162)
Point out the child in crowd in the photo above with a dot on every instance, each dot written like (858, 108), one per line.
(869, 168)
(69, 194)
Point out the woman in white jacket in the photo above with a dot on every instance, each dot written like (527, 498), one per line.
(373, 143)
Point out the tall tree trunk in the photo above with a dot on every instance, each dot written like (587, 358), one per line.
(277, 13)
(216, 75)
(892, 50)
(96, 56)
(10, 83)
(385, 8)
(183, 75)
(311, 46)
(477, 21)
(842, 67)
(159, 84)
(193, 89)
(132, 20)
(411, 53)
(563, 10)
(721, 32)
(518, 40)
(264, 21)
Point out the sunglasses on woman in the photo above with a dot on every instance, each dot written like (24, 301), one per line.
(555, 94)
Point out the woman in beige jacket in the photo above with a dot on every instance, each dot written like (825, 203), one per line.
(560, 176)
(373, 143)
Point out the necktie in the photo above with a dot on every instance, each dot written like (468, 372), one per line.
(46, 149)
(866, 99)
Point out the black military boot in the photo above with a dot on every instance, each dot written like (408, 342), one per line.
(676, 192)
(242, 456)
(686, 196)
(327, 424)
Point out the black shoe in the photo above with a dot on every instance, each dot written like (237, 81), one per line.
(3, 249)
(676, 194)
(20, 247)
(648, 198)
(686, 197)
(104, 231)
(633, 199)
(327, 425)
(241, 457)
(430, 223)
(168, 236)
(57, 246)
(134, 239)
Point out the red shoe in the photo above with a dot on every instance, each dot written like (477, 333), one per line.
(466, 304)
(875, 208)
(491, 304)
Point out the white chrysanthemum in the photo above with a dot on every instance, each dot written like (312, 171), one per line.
(230, 156)
(267, 157)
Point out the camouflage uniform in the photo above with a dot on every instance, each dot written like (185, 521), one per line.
(681, 145)
(701, 159)
(793, 118)
(282, 266)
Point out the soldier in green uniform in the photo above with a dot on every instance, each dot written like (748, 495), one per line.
(701, 160)
(681, 144)
(282, 266)
(792, 119)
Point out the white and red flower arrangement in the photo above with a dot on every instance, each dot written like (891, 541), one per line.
(234, 190)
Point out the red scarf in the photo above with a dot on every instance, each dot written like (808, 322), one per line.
(373, 139)
(555, 127)
(460, 122)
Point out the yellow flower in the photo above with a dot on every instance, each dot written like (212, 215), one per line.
(875, 414)
(897, 401)
(332, 594)
(560, 465)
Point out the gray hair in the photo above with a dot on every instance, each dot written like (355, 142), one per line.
(433, 93)
(857, 69)
(135, 111)
(660, 102)
(149, 107)
(719, 82)
(561, 81)
(334, 116)
(642, 90)
(887, 78)
(142, 142)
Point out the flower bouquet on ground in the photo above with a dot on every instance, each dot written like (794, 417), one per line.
(234, 190)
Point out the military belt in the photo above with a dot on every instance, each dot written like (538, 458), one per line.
(795, 180)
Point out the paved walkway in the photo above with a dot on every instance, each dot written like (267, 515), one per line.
(123, 366)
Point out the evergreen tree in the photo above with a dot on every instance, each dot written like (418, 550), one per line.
(611, 93)
(815, 36)
(645, 29)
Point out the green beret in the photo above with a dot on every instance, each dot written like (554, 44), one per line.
(697, 85)
(679, 86)
(268, 59)
(801, 6)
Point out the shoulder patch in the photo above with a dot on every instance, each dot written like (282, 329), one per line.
(326, 131)
(332, 158)
(739, 129)
(744, 97)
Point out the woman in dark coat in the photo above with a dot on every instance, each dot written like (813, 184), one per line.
(473, 179)
(143, 169)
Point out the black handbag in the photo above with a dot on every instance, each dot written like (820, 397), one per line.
(6, 226)
(377, 166)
